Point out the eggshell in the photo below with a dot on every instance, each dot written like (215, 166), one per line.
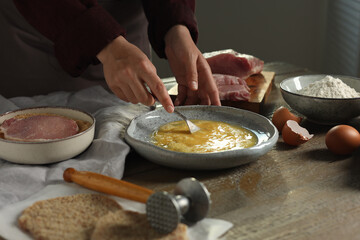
(293, 134)
(342, 139)
(281, 115)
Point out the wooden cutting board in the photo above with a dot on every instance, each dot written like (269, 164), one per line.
(260, 87)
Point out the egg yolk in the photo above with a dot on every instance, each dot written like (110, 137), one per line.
(213, 136)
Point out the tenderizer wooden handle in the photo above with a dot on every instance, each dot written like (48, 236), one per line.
(109, 185)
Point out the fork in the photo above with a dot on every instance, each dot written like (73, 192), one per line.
(192, 126)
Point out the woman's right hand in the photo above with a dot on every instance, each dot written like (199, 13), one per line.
(127, 71)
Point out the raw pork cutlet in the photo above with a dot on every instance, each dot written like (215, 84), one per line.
(232, 88)
(126, 225)
(232, 63)
(38, 128)
(71, 217)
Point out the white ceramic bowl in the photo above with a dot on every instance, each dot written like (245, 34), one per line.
(138, 135)
(48, 151)
(327, 111)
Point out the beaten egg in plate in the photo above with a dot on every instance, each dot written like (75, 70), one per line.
(140, 132)
(213, 136)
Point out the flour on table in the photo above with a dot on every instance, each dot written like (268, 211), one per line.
(329, 87)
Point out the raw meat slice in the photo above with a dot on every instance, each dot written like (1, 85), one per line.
(230, 62)
(232, 88)
(223, 79)
(38, 128)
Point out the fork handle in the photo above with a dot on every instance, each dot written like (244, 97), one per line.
(108, 185)
(180, 114)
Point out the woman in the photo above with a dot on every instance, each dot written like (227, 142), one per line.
(55, 45)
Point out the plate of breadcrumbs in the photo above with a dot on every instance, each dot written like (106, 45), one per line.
(67, 211)
(88, 216)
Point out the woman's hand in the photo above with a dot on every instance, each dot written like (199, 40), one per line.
(191, 70)
(128, 70)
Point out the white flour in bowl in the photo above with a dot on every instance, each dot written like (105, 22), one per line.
(329, 87)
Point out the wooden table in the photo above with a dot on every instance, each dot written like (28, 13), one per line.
(302, 192)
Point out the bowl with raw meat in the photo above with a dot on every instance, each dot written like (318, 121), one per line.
(43, 135)
(323, 99)
(228, 137)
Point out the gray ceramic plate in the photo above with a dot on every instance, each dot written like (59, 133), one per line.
(327, 111)
(139, 132)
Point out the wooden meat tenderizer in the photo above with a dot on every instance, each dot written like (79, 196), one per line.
(189, 203)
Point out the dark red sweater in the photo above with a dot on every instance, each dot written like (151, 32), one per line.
(79, 29)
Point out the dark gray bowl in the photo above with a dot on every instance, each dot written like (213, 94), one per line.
(327, 111)
(140, 129)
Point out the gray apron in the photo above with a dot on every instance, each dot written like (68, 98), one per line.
(27, 63)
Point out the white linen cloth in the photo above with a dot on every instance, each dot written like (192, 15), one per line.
(106, 155)
(21, 185)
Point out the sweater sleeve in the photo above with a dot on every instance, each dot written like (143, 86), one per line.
(163, 14)
(79, 29)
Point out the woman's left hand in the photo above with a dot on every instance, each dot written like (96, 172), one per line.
(191, 70)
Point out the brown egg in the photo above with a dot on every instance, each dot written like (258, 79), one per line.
(281, 115)
(293, 134)
(342, 139)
